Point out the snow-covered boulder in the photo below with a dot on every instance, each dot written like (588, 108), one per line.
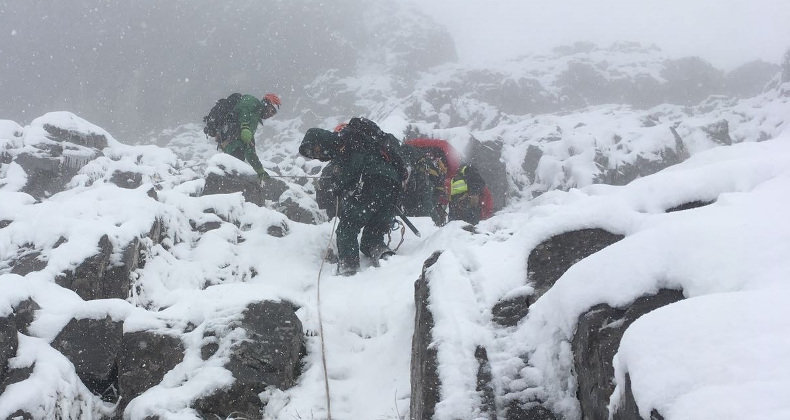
(267, 356)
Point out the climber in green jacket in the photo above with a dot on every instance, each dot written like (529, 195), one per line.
(233, 122)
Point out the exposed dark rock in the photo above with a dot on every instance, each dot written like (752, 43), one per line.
(24, 313)
(487, 158)
(551, 258)
(595, 343)
(293, 211)
(719, 132)
(20, 415)
(249, 186)
(278, 231)
(484, 386)
(8, 338)
(531, 161)
(27, 263)
(144, 359)
(424, 364)
(44, 175)
(628, 410)
(208, 226)
(688, 206)
(533, 411)
(13, 376)
(509, 312)
(86, 279)
(92, 345)
(92, 140)
(98, 278)
(269, 356)
(4, 223)
(129, 180)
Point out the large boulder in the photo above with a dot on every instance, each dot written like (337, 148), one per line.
(552, 257)
(99, 277)
(93, 345)
(595, 343)
(143, 361)
(268, 356)
(248, 185)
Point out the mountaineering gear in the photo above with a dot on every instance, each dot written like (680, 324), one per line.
(222, 120)
(233, 121)
(406, 220)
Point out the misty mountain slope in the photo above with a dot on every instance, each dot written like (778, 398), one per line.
(208, 257)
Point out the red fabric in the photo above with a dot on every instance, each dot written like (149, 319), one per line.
(451, 155)
(274, 99)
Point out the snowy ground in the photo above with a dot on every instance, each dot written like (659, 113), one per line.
(686, 360)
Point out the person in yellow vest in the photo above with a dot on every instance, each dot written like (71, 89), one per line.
(467, 193)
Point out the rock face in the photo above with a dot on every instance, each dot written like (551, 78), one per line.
(144, 359)
(484, 386)
(98, 278)
(269, 356)
(249, 186)
(628, 410)
(424, 374)
(595, 343)
(551, 258)
(92, 345)
(8, 336)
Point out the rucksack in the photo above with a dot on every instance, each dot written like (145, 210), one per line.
(363, 135)
(222, 121)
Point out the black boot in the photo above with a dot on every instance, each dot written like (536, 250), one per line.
(380, 252)
(347, 267)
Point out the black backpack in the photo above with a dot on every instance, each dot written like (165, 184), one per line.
(363, 135)
(222, 122)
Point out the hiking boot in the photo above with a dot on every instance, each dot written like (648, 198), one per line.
(380, 252)
(347, 268)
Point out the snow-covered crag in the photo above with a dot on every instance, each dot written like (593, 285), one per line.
(150, 282)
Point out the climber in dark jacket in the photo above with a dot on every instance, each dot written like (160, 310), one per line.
(236, 136)
(367, 184)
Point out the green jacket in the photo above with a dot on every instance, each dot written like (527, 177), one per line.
(249, 110)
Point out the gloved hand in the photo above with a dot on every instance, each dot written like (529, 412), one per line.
(246, 135)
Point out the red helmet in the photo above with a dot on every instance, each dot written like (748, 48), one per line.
(272, 99)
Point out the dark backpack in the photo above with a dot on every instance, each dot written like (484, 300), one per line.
(363, 135)
(222, 122)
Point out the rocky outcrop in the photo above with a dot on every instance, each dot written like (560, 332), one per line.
(551, 258)
(249, 186)
(143, 360)
(688, 206)
(595, 343)
(508, 312)
(93, 345)
(99, 277)
(485, 386)
(424, 365)
(8, 336)
(628, 410)
(268, 356)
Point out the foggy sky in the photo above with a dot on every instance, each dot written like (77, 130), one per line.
(727, 33)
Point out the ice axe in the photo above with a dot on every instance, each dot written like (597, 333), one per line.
(407, 221)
